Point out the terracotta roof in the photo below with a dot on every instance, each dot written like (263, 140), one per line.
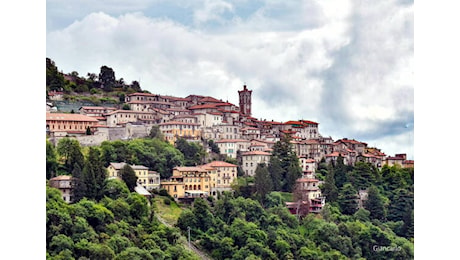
(189, 169)
(202, 106)
(61, 178)
(69, 117)
(350, 141)
(301, 123)
(309, 160)
(220, 164)
(210, 99)
(334, 154)
(368, 155)
(224, 104)
(309, 122)
(215, 113)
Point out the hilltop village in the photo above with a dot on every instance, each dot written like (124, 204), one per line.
(199, 119)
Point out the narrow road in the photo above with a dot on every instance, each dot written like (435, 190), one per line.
(192, 247)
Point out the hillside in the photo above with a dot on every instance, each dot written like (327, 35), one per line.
(97, 88)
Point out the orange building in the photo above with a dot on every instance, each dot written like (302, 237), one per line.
(188, 182)
(69, 123)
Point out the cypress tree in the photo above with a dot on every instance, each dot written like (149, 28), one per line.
(276, 173)
(375, 204)
(340, 172)
(94, 174)
(129, 177)
(78, 184)
(348, 199)
(330, 189)
(262, 181)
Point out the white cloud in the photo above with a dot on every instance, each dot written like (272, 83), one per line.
(349, 68)
(211, 11)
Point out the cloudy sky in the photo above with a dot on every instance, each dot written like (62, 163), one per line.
(346, 64)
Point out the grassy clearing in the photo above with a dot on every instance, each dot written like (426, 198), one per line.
(287, 196)
(170, 213)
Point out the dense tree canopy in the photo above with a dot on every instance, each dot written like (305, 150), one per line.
(193, 152)
(107, 221)
(109, 229)
(286, 169)
(242, 229)
(155, 154)
(70, 153)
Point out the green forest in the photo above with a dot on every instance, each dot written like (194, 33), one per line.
(108, 220)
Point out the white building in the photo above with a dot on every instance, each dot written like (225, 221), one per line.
(230, 147)
(251, 159)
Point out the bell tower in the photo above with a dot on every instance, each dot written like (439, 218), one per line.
(245, 101)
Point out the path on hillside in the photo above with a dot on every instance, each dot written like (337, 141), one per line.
(192, 247)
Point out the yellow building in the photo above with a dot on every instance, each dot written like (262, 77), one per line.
(188, 182)
(69, 123)
(222, 175)
(174, 130)
(145, 178)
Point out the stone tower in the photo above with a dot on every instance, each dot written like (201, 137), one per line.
(245, 101)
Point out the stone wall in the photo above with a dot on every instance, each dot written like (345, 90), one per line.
(131, 131)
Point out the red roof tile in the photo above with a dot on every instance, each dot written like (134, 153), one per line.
(220, 164)
(69, 117)
(202, 106)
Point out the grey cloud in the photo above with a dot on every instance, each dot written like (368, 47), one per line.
(327, 74)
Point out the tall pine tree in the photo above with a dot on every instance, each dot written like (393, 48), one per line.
(70, 152)
(276, 173)
(329, 189)
(78, 184)
(129, 177)
(340, 172)
(94, 174)
(375, 204)
(289, 162)
(348, 199)
(262, 181)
